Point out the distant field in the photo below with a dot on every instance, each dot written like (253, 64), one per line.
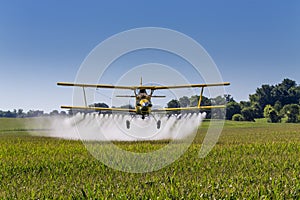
(250, 160)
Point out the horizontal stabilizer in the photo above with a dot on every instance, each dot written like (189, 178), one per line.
(125, 96)
(154, 96)
(158, 96)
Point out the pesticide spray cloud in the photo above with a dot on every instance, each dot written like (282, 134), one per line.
(99, 127)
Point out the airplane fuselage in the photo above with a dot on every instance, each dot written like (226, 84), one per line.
(143, 107)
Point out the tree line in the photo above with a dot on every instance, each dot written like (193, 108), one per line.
(273, 102)
(31, 113)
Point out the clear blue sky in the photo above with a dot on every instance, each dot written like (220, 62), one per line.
(42, 42)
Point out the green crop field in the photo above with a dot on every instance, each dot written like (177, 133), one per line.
(251, 160)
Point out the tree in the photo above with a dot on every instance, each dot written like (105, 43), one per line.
(248, 114)
(257, 110)
(20, 113)
(100, 105)
(194, 100)
(278, 106)
(71, 112)
(218, 100)
(229, 98)
(217, 113)
(231, 109)
(63, 113)
(292, 112)
(10, 114)
(237, 117)
(262, 97)
(54, 113)
(174, 103)
(184, 101)
(286, 92)
(271, 114)
(205, 102)
(129, 106)
(34, 113)
(245, 104)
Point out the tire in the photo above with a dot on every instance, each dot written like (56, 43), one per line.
(158, 124)
(127, 124)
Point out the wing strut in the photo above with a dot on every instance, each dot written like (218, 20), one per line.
(200, 98)
(84, 95)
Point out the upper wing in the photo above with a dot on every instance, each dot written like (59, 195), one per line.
(183, 86)
(142, 86)
(95, 85)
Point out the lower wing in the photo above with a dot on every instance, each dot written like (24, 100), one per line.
(188, 108)
(98, 108)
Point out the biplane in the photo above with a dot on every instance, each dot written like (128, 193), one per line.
(143, 99)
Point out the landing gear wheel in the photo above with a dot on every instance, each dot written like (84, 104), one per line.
(128, 124)
(158, 124)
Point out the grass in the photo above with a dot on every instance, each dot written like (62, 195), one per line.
(250, 160)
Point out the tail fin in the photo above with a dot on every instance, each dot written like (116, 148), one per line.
(141, 81)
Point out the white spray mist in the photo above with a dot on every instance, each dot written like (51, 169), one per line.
(101, 127)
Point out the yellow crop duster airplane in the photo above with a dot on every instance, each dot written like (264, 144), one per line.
(143, 103)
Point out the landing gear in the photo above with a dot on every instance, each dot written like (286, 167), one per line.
(127, 124)
(158, 123)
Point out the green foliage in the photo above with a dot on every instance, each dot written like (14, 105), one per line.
(218, 113)
(184, 101)
(173, 104)
(194, 100)
(271, 114)
(229, 98)
(245, 104)
(248, 114)
(277, 106)
(287, 92)
(8, 114)
(218, 100)
(54, 113)
(263, 96)
(250, 161)
(231, 109)
(128, 106)
(100, 105)
(292, 112)
(31, 113)
(237, 117)
(256, 110)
